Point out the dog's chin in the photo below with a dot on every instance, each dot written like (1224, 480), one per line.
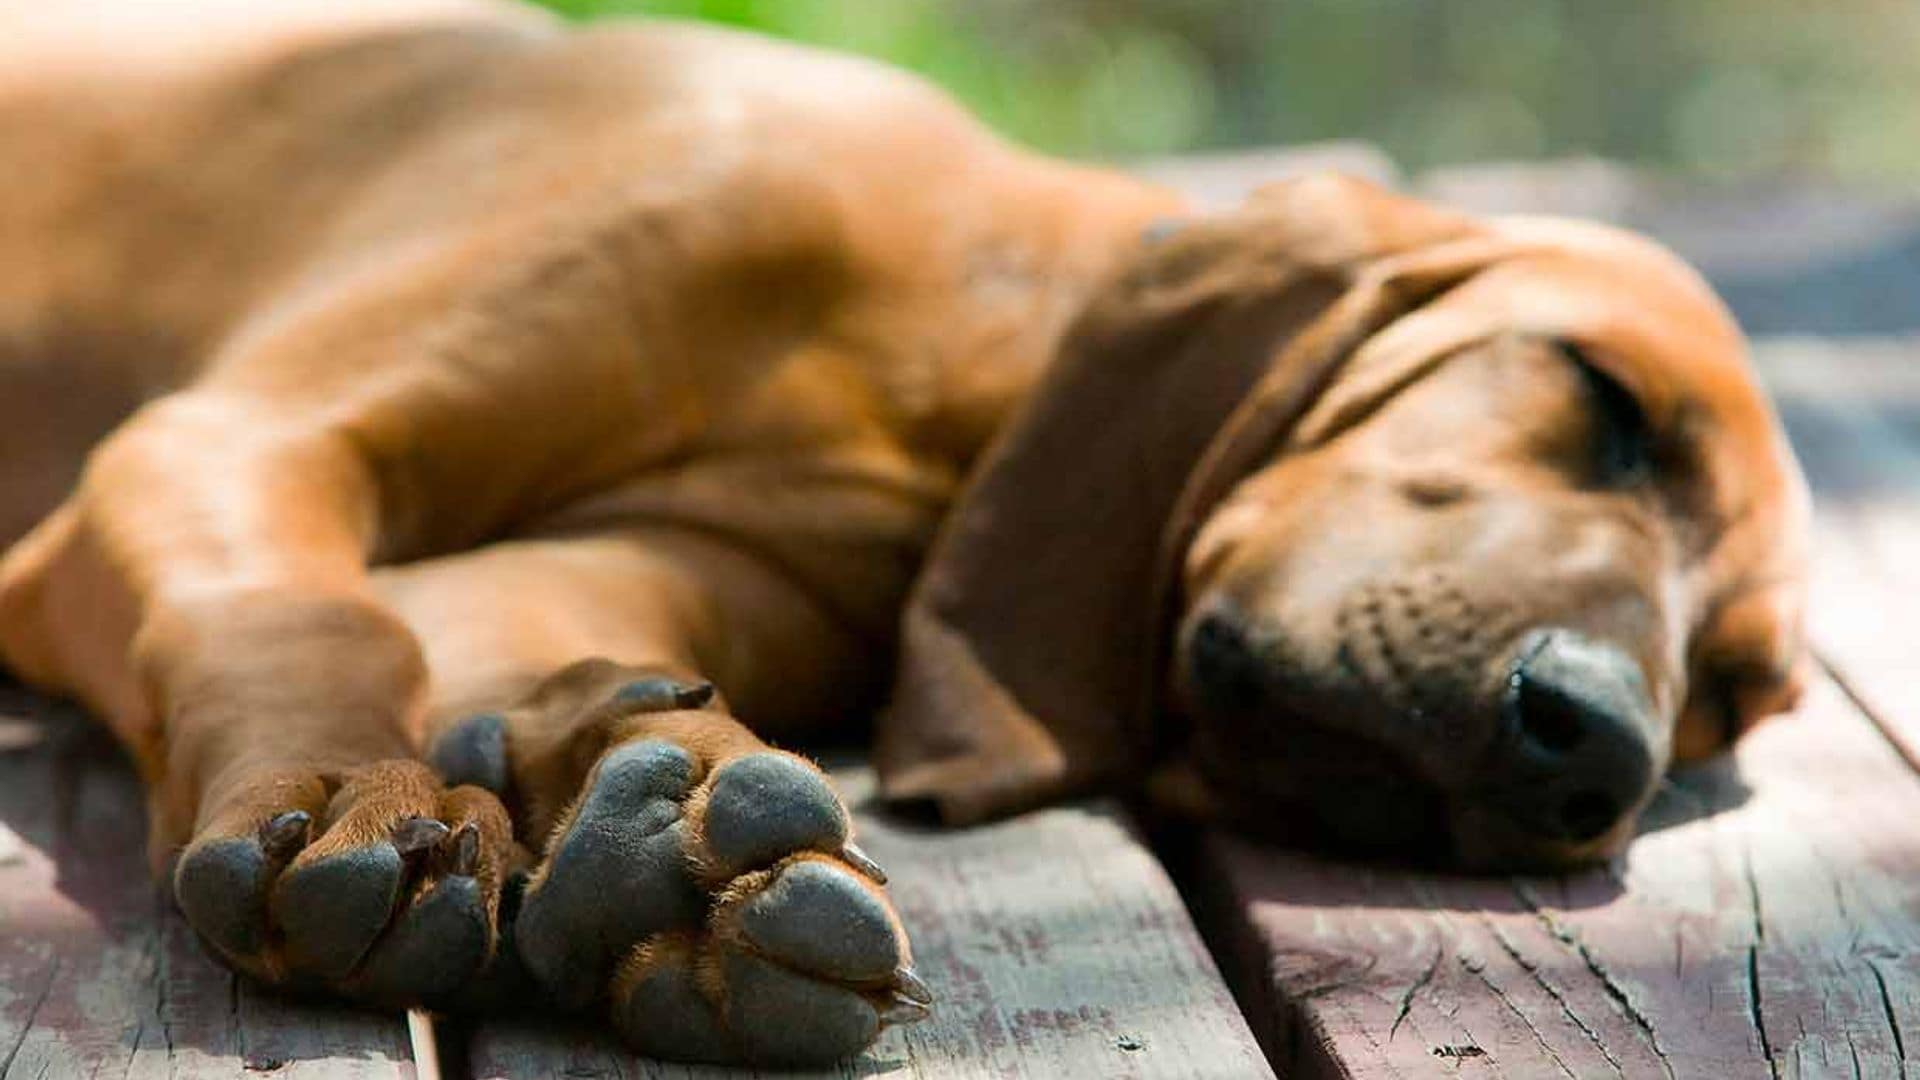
(1307, 786)
(1485, 844)
(1302, 785)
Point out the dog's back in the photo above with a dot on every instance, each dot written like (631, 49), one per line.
(178, 178)
(166, 167)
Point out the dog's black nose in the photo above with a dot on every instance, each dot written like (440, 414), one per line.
(1225, 665)
(1579, 756)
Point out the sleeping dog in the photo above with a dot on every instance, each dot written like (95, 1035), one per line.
(449, 449)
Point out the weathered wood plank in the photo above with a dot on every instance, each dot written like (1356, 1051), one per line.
(1853, 411)
(98, 975)
(1056, 944)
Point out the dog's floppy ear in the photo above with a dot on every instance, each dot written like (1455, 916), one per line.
(1749, 658)
(1749, 662)
(1030, 647)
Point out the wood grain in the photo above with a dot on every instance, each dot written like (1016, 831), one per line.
(98, 975)
(1055, 943)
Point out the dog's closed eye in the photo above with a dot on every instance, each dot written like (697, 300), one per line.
(1623, 446)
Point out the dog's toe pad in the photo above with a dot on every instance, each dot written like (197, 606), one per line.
(333, 908)
(822, 919)
(473, 752)
(617, 875)
(665, 1015)
(780, 1017)
(765, 806)
(435, 947)
(221, 886)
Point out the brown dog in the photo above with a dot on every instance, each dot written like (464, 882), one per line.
(427, 385)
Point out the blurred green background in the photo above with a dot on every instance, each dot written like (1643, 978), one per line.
(1712, 89)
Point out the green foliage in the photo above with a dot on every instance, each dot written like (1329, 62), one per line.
(1716, 88)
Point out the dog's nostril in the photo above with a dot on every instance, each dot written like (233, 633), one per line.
(1586, 815)
(1549, 717)
(1565, 692)
(1225, 668)
(1215, 632)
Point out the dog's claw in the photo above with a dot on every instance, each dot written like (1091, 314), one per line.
(284, 834)
(903, 1012)
(660, 694)
(861, 861)
(910, 986)
(466, 851)
(418, 834)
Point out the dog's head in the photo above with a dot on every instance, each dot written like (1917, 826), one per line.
(1440, 533)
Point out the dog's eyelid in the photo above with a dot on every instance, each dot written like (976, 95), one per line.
(1655, 409)
(1595, 363)
(1625, 451)
(1572, 350)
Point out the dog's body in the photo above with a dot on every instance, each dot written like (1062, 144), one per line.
(755, 242)
(659, 344)
(429, 379)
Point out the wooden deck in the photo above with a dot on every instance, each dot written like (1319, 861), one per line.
(1767, 923)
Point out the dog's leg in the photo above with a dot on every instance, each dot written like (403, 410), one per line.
(204, 591)
(695, 883)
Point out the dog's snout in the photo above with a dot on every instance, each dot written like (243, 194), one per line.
(1579, 717)
(1538, 748)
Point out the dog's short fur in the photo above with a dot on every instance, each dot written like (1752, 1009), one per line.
(409, 412)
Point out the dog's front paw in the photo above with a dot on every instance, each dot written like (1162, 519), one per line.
(376, 883)
(709, 899)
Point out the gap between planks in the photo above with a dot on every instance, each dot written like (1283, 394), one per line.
(424, 1044)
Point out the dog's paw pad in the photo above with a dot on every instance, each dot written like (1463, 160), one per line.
(617, 874)
(222, 888)
(761, 807)
(822, 919)
(693, 997)
(333, 908)
(473, 751)
(660, 1009)
(782, 1017)
(710, 900)
(435, 946)
(366, 889)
